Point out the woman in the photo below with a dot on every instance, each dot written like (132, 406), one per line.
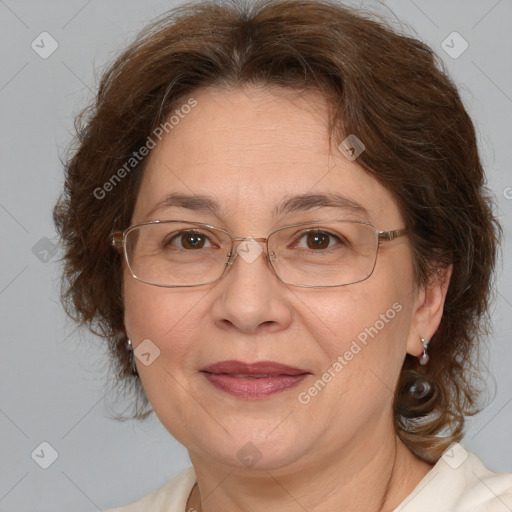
(277, 217)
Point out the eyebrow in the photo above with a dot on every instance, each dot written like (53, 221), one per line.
(205, 204)
(304, 202)
(297, 203)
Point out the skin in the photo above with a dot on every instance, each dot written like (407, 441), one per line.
(248, 149)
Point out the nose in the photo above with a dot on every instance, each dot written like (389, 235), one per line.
(249, 249)
(250, 297)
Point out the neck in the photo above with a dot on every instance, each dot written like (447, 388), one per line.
(378, 483)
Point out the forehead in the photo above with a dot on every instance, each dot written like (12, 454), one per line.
(252, 149)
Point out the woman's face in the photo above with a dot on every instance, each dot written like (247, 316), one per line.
(249, 151)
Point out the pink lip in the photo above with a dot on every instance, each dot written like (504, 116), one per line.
(262, 367)
(235, 378)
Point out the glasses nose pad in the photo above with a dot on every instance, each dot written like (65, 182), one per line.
(234, 253)
(231, 257)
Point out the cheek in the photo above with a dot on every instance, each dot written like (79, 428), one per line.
(360, 315)
(367, 326)
(167, 317)
(362, 356)
(367, 339)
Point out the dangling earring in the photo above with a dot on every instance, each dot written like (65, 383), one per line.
(423, 359)
(129, 347)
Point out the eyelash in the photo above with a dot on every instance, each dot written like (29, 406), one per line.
(168, 241)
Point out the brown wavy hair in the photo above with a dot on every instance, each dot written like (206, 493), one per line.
(386, 87)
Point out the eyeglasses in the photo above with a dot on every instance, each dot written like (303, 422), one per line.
(317, 254)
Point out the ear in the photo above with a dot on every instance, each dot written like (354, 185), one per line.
(428, 310)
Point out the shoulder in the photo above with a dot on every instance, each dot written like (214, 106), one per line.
(170, 497)
(460, 482)
(484, 489)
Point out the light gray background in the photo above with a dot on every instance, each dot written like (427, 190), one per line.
(52, 377)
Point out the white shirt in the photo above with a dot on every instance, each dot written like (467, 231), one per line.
(459, 482)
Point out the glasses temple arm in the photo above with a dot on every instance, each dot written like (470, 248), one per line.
(391, 235)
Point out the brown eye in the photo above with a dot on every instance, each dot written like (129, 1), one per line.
(317, 240)
(193, 241)
(189, 240)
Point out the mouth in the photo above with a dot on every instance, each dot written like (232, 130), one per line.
(253, 380)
